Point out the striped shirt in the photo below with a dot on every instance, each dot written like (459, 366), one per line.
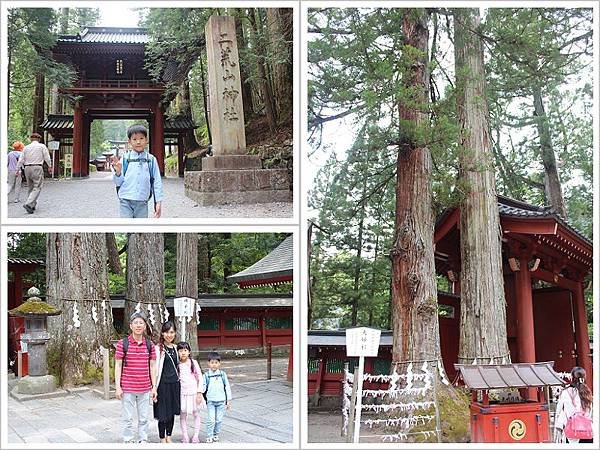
(135, 374)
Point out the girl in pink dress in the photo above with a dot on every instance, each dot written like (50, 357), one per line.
(192, 386)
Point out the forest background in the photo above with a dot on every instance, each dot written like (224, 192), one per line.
(539, 78)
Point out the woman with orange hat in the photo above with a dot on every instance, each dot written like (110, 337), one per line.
(14, 178)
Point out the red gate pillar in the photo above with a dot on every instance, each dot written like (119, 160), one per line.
(290, 369)
(581, 333)
(77, 139)
(159, 139)
(525, 324)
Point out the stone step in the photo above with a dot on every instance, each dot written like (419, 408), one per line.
(231, 162)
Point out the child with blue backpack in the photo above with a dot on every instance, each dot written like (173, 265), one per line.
(218, 396)
(137, 177)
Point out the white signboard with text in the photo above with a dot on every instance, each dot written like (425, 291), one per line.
(184, 306)
(362, 341)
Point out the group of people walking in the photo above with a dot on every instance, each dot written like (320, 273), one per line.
(28, 161)
(166, 376)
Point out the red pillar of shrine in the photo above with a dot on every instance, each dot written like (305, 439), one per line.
(159, 139)
(290, 370)
(525, 324)
(525, 329)
(77, 139)
(85, 146)
(581, 333)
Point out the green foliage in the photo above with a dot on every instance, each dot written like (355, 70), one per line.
(32, 32)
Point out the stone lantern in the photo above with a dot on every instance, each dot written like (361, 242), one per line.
(35, 311)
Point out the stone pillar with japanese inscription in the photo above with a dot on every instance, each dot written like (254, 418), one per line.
(224, 85)
(231, 176)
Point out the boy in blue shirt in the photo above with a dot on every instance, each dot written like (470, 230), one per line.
(137, 177)
(218, 396)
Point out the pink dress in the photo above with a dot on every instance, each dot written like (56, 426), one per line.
(191, 385)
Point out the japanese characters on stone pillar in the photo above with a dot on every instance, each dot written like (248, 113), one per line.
(226, 108)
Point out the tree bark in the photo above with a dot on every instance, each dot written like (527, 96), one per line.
(204, 261)
(265, 87)
(189, 138)
(227, 267)
(414, 294)
(114, 262)
(145, 279)
(77, 284)
(38, 104)
(483, 306)
(242, 47)
(281, 32)
(186, 284)
(552, 183)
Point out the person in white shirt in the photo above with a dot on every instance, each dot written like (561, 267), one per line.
(33, 159)
(573, 398)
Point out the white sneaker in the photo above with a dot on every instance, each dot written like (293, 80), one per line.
(209, 440)
(143, 441)
(215, 438)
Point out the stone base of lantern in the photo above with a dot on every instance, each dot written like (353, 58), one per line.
(236, 179)
(29, 385)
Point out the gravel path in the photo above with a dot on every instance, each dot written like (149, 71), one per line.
(95, 197)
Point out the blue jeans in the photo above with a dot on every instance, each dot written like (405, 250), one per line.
(133, 209)
(130, 403)
(216, 412)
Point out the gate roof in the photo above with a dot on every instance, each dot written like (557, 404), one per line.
(498, 376)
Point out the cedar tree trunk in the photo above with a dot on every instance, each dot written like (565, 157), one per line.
(186, 284)
(551, 179)
(77, 284)
(414, 295)
(483, 307)
(145, 279)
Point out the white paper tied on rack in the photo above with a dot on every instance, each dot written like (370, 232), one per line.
(76, 321)
(94, 314)
(442, 373)
(166, 311)
(103, 311)
(198, 309)
(138, 307)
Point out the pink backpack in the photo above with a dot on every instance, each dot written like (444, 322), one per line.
(579, 425)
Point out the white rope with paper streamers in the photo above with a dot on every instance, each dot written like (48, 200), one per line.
(94, 314)
(402, 422)
(346, 395)
(408, 406)
(416, 388)
(76, 321)
(404, 436)
(151, 317)
(138, 307)
(104, 311)
(442, 373)
(198, 309)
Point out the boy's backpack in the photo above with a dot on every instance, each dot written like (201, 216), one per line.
(207, 378)
(579, 425)
(149, 160)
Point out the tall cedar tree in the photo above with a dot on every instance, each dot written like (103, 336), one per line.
(414, 293)
(482, 311)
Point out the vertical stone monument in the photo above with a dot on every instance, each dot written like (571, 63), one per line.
(231, 175)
